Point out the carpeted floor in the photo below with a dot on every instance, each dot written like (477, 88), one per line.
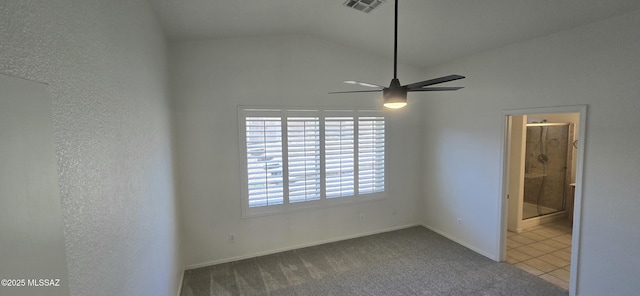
(412, 261)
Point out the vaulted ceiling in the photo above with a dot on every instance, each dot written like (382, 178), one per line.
(431, 32)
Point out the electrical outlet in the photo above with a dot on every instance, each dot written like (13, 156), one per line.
(459, 221)
(232, 237)
(361, 217)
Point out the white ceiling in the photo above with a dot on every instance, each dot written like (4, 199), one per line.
(430, 31)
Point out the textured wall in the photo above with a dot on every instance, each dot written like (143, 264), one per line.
(211, 78)
(105, 63)
(595, 65)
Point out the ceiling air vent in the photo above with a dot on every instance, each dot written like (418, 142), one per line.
(363, 5)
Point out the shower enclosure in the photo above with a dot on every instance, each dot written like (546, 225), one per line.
(546, 168)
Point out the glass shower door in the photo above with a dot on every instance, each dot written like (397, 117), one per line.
(546, 163)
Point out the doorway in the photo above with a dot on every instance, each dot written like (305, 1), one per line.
(542, 176)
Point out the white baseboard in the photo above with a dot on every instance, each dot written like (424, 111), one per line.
(463, 243)
(269, 252)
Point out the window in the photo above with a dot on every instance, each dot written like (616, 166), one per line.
(309, 158)
(339, 156)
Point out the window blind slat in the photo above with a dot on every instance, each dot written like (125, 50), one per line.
(337, 166)
(371, 154)
(264, 161)
(303, 142)
(339, 156)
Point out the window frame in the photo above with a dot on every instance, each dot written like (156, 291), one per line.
(284, 113)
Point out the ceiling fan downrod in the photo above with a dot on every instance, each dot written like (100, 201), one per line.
(395, 95)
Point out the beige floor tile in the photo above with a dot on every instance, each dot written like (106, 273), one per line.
(561, 227)
(512, 260)
(544, 232)
(513, 244)
(518, 255)
(533, 236)
(529, 269)
(530, 251)
(535, 227)
(561, 274)
(558, 262)
(562, 254)
(556, 281)
(540, 265)
(554, 232)
(543, 247)
(556, 244)
(544, 251)
(565, 238)
(521, 239)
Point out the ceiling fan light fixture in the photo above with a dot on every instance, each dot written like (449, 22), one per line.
(395, 97)
(396, 105)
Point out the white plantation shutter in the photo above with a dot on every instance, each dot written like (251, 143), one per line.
(303, 144)
(264, 161)
(370, 154)
(339, 156)
(306, 158)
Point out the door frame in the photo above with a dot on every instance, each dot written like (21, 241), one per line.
(577, 214)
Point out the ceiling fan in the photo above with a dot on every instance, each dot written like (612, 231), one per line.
(395, 96)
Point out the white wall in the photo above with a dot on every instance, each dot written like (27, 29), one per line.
(595, 65)
(211, 78)
(105, 64)
(31, 232)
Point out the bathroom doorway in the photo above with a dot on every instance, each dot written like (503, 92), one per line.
(541, 186)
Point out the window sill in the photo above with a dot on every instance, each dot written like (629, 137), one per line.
(248, 213)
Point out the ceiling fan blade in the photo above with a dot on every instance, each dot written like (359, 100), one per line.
(442, 79)
(395, 95)
(363, 84)
(355, 91)
(436, 88)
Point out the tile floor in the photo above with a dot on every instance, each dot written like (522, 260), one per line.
(543, 250)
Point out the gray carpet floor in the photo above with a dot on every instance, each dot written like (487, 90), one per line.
(412, 261)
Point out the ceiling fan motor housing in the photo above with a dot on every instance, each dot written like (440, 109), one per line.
(395, 93)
